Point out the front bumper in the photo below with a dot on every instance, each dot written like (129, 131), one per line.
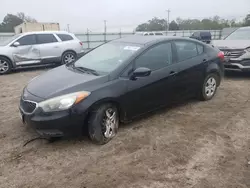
(56, 124)
(242, 66)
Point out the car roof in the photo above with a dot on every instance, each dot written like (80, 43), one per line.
(142, 40)
(44, 32)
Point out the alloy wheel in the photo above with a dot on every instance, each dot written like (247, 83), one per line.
(4, 66)
(210, 87)
(69, 58)
(110, 121)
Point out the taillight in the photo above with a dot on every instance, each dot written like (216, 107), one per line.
(81, 43)
(221, 56)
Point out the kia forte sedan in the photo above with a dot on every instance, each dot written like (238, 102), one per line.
(117, 82)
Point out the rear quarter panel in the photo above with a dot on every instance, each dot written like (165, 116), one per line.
(72, 45)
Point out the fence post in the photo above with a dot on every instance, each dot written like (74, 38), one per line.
(105, 38)
(88, 38)
(220, 34)
(120, 34)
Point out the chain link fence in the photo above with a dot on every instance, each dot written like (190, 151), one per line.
(91, 40)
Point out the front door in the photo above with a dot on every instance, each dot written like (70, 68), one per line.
(27, 52)
(148, 93)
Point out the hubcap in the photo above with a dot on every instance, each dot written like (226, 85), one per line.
(210, 87)
(69, 58)
(4, 67)
(109, 123)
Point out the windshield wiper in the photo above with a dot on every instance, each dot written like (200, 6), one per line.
(84, 69)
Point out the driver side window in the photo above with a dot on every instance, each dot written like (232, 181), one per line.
(155, 58)
(27, 40)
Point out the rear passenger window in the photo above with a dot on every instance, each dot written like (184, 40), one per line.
(45, 38)
(65, 37)
(200, 49)
(187, 50)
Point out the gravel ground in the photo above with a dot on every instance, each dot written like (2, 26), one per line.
(197, 144)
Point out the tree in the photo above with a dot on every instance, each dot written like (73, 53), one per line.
(25, 18)
(212, 23)
(155, 24)
(173, 26)
(10, 21)
(247, 20)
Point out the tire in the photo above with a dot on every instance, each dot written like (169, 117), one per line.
(209, 87)
(98, 132)
(5, 65)
(68, 57)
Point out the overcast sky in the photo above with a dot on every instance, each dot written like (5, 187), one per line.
(124, 14)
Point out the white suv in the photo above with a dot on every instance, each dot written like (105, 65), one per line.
(38, 48)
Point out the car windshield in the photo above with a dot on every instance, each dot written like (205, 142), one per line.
(240, 34)
(8, 40)
(107, 57)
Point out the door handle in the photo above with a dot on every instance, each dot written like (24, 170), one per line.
(172, 73)
(204, 60)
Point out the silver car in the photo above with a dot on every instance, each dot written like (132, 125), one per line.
(236, 48)
(38, 48)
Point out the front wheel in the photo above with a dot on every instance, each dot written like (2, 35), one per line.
(5, 65)
(209, 87)
(103, 123)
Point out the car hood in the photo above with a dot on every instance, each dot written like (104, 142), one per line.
(63, 80)
(233, 44)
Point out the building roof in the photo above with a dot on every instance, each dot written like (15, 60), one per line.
(42, 32)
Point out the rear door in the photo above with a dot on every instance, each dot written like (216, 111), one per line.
(27, 52)
(49, 47)
(191, 61)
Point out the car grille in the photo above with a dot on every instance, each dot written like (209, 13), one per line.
(228, 53)
(28, 106)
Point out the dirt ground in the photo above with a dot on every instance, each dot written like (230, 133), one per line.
(197, 144)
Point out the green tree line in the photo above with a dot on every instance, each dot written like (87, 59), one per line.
(214, 23)
(11, 20)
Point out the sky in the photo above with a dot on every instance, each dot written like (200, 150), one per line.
(120, 14)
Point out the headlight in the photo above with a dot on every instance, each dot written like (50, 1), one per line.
(63, 102)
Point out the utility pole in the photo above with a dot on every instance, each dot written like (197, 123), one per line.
(68, 27)
(168, 19)
(105, 26)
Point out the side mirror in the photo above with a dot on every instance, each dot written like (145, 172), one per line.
(140, 72)
(16, 44)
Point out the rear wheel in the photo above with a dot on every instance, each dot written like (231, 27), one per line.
(5, 65)
(209, 87)
(103, 123)
(68, 57)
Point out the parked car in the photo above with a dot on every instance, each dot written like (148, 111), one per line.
(149, 33)
(38, 48)
(204, 36)
(236, 48)
(118, 81)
